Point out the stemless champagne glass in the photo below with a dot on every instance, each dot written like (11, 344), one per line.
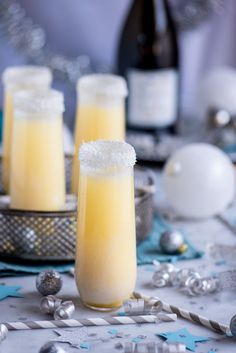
(100, 113)
(15, 79)
(37, 180)
(106, 243)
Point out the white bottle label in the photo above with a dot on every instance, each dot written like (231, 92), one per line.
(152, 97)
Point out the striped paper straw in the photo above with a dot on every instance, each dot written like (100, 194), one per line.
(116, 320)
(188, 315)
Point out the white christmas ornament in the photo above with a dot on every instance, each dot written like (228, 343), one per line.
(199, 180)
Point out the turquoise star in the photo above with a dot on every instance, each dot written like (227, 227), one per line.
(9, 291)
(183, 336)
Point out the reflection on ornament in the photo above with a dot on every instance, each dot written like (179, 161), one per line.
(51, 347)
(232, 326)
(172, 242)
(204, 186)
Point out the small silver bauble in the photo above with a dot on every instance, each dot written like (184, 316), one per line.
(219, 118)
(51, 347)
(64, 311)
(232, 326)
(3, 332)
(49, 304)
(48, 282)
(172, 242)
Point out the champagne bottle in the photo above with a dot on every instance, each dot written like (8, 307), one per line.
(148, 58)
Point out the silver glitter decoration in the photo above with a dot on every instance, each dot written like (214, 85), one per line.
(172, 242)
(153, 347)
(220, 251)
(227, 280)
(51, 347)
(3, 332)
(186, 280)
(48, 282)
(64, 311)
(232, 326)
(49, 304)
(142, 307)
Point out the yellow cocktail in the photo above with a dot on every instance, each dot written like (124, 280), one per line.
(15, 79)
(37, 163)
(106, 243)
(100, 113)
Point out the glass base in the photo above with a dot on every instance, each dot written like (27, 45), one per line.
(104, 308)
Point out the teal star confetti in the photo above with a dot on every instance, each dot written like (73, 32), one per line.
(84, 345)
(9, 291)
(112, 332)
(183, 336)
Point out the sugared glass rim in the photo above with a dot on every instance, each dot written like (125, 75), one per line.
(104, 85)
(103, 156)
(39, 101)
(27, 76)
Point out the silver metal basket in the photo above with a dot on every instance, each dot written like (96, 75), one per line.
(51, 236)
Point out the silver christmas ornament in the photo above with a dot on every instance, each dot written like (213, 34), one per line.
(172, 242)
(48, 282)
(3, 332)
(51, 347)
(232, 326)
(64, 311)
(49, 304)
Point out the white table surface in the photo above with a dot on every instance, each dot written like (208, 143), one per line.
(220, 306)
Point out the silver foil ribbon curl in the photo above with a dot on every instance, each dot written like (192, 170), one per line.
(142, 307)
(3, 332)
(64, 311)
(49, 304)
(152, 306)
(61, 310)
(152, 347)
(186, 280)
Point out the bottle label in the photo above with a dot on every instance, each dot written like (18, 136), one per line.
(152, 97)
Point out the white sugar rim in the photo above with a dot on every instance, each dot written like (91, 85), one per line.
(27, 75)
(105, 155)
(39, 101)
(107, 85)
